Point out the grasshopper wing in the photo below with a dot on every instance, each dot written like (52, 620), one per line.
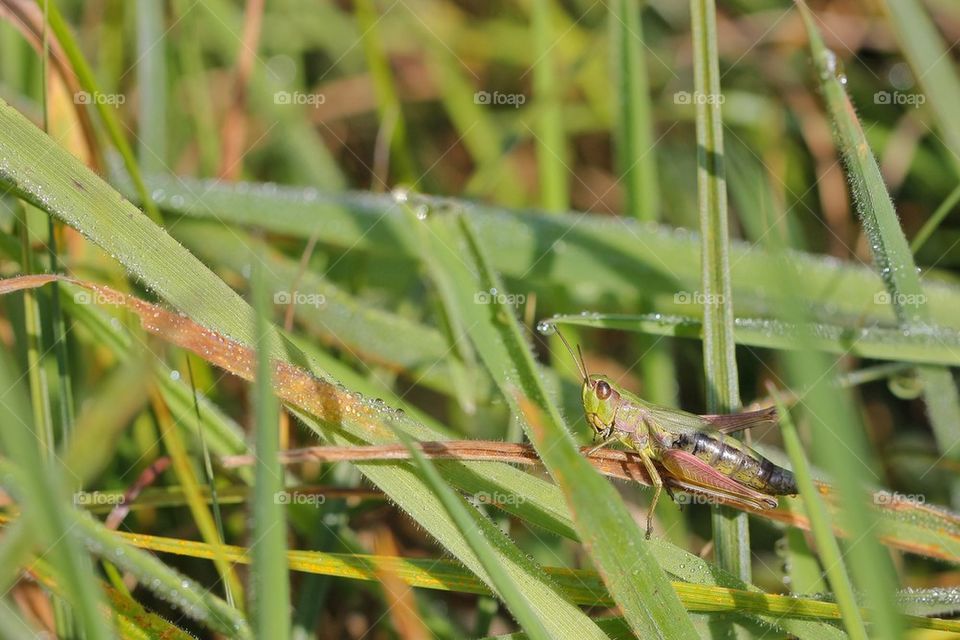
(734, 422)
(690, 473)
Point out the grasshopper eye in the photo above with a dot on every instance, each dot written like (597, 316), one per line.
(603, 390)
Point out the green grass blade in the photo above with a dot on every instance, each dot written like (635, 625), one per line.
(832, 559)
(871, 567)
(731, 534)
(187, 595)
(452, 319)
(610, 534)
(183, 467)
(39, 487)
(580, 586)
(271, 587)
(549, 133)
(634, 135)
(891, 253)
(602, 258)
(88, 81)
(388, 104)
(935, 219)
(508, 590)
(151, 70)
(933, 66)
(931, 346)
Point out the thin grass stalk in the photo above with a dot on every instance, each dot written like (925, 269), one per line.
(549, 133)
(731, 534)
(830, 554)
(271, 585)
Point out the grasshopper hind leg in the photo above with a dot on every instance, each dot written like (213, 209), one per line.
(657, 488)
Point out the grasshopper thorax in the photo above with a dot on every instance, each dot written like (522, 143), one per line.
(600, 402)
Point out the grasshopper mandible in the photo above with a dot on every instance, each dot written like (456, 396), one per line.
(691, 452)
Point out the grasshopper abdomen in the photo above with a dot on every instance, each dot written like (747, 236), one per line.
(735, 460)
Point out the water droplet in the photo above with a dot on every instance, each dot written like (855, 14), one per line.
(546, 328)
(174, 375)
(400, 195)
(829, 68)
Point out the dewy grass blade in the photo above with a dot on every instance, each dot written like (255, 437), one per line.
(615, 543)
(580, 586)
(731, 534)
(936, 71)
(872, 570)
(604, 258)
(936, 346)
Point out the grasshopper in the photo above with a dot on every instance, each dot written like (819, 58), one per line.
(693, 453)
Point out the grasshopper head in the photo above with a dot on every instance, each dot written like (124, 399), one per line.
(600, 402)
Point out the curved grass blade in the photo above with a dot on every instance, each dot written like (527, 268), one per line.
(606, 528)
(872, 570)
(935, 70)
(134, 622)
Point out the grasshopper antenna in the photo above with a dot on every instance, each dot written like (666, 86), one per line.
(581, 364)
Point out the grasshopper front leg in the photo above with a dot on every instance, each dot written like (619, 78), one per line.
(602, 444)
